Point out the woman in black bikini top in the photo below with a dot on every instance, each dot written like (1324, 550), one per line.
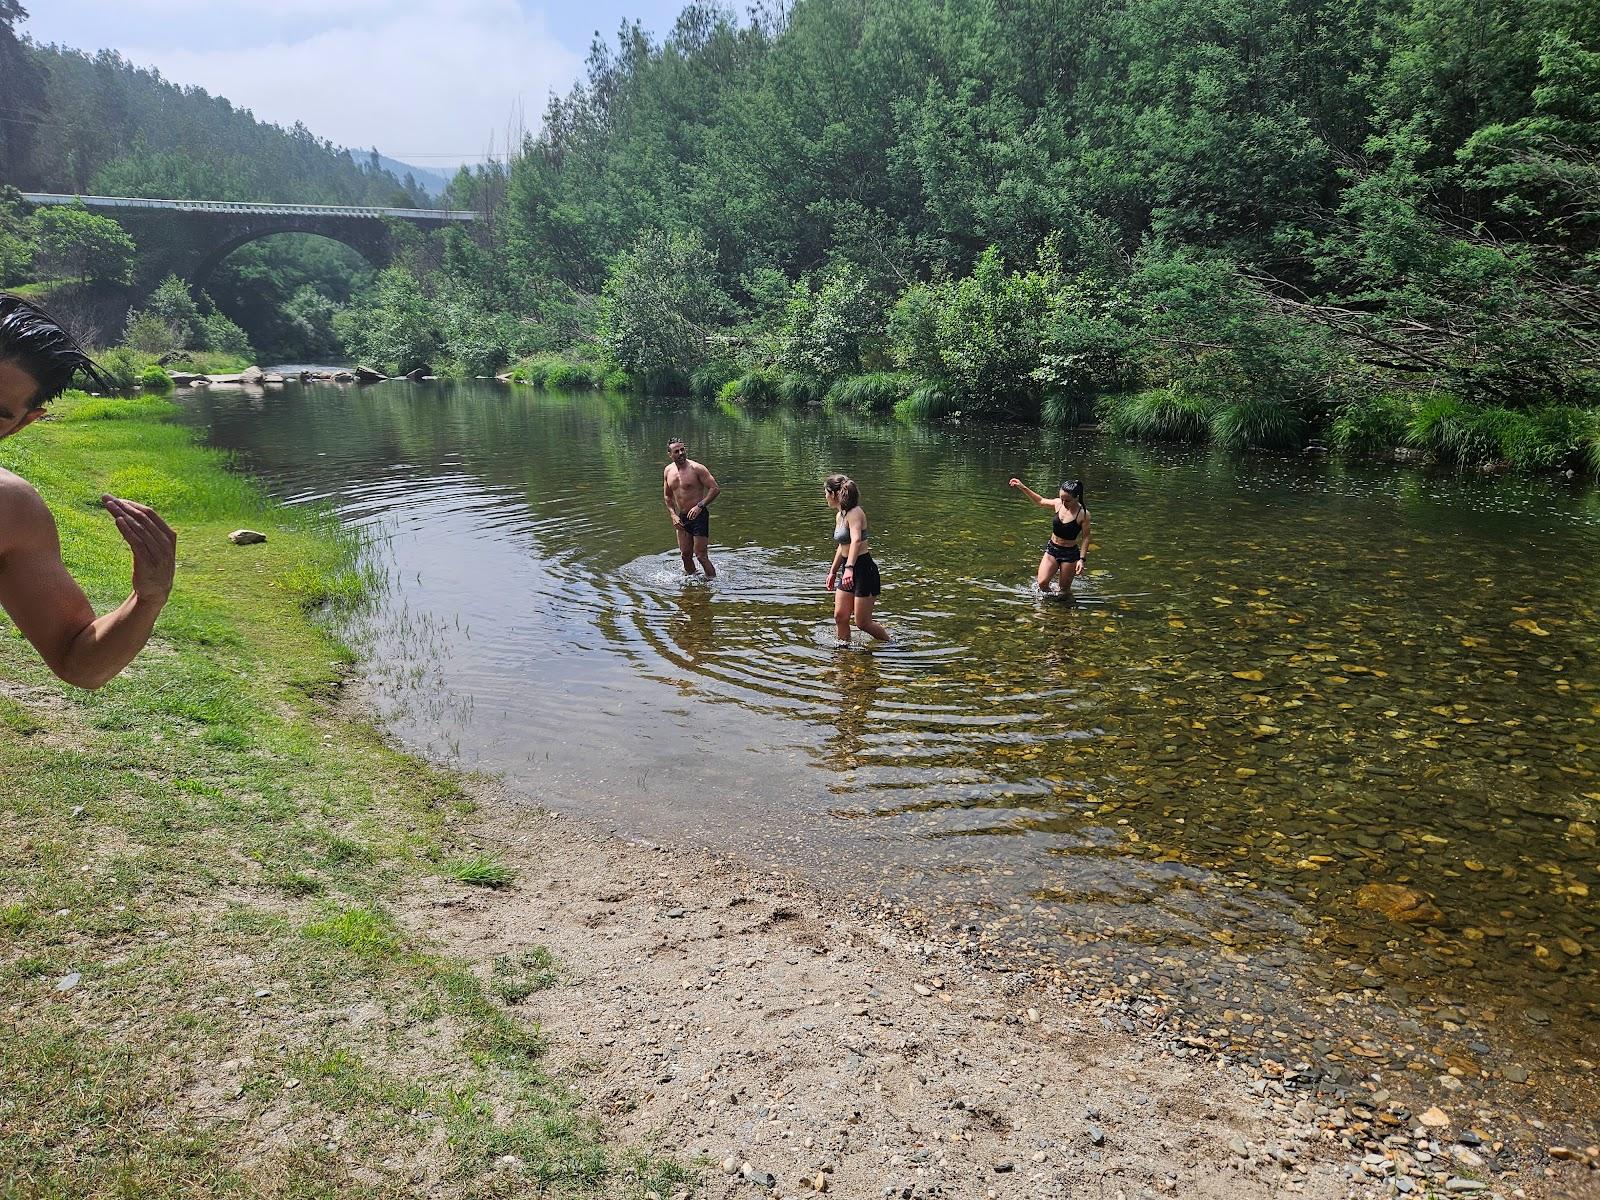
(1065, 554)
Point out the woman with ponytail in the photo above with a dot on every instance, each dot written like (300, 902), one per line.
(859, 584)
(1066, 553)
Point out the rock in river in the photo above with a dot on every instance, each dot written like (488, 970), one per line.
(1399, 903)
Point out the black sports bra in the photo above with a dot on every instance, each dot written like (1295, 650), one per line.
(1063, 529)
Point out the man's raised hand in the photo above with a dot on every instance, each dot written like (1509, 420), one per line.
(154, 546)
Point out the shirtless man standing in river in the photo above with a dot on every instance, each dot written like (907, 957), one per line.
(687, 489)
(37, 361)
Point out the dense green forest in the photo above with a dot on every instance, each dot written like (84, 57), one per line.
(1367, 223)
(85, 123)
(1254, 222)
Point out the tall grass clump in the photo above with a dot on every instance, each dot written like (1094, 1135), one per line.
(930, 402)
(1263, 421)
(796, 388)
(1061, 409)
(706, 381)
(1441, 425)
(1158, 415)
(761, 385)
(1373, 425)
(876, 392)
(154, 379)
(481, 870)
(562, 372)
(1554, 436)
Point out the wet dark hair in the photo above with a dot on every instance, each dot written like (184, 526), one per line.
(1073, 488)
(845, 488)
(34, 340)
(676, 441)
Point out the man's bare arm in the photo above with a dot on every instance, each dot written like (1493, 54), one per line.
(666, 496)
(49, 607)
(708, 481)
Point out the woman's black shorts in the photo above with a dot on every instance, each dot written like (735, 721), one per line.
(867, 581)
(1062, 554)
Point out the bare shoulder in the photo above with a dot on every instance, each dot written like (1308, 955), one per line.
(22, 510)
(701, 469)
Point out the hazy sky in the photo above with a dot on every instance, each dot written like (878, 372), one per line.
(427, 81)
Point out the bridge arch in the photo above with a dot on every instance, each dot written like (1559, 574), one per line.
(207, 231)
(373, 244)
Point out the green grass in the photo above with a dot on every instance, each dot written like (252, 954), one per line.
(481, 870)
(1373, 425)
(567, 372)
(1158, 415)
(155, 379)
(759, 385)
(928, 403)
(39, 289)
(223, 854)
(515, 977)
(707, 380)
(878, 392)
(1252, 422)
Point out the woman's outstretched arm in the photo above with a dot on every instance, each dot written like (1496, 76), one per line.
(1031, 494)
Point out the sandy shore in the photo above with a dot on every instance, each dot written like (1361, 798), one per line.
(796, 1044)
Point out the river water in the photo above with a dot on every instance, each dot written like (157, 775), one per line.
(1283, 681)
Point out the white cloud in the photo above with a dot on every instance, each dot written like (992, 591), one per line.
(430, 81)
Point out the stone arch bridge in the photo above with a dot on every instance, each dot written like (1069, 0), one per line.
(201, 233)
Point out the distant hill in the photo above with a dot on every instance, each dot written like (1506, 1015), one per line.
(71, 121)
(431, 180)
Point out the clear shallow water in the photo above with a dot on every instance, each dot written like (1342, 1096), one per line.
(1283, 680)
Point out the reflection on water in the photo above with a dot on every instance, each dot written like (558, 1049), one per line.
(1281, 682)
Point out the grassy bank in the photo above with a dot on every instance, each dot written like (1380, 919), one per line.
(205, 990)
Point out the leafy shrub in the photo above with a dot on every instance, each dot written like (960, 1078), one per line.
(1373, 425)
(878, 392)
(979, 337)
(1158, 415)
(219, 333)
(122, 367)
(154, 379)
(661, 298)
(148, 332)
(825, 332)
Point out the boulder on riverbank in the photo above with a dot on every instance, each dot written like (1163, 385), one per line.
(182, 378)
(252, 375)
(368, 375)
(418, 375)
(246, 537)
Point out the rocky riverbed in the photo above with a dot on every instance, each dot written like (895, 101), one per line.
(797, 1043)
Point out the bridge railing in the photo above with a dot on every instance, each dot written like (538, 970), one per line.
(275, 210)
